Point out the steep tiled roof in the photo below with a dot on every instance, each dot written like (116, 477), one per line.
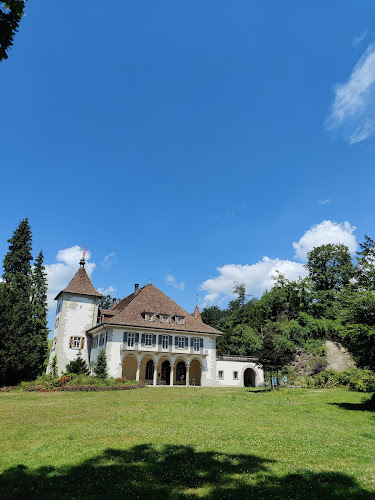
(197, 313)
(131, 312)
(80, 285)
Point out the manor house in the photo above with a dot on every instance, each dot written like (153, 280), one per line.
(146, 336)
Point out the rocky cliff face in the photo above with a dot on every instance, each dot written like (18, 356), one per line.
(338, 357)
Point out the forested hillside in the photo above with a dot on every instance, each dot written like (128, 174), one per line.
(335, 302)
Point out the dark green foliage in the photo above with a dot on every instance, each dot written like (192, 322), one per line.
(105, 302)
(354, 378)
(54, 366)
(277, 349)
(365, 264)
(40, 307)
(77, 366)
(11, 12)
(100, 367)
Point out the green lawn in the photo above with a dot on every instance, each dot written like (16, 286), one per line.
(187, 443)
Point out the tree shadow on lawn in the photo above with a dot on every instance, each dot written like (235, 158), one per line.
(366, 405)
(174, 472)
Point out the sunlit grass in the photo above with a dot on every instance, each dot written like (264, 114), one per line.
(266, 442)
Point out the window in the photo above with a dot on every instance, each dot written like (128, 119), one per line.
(95, 342)
(57, 322)
(221, 375)
(181, 342)
(54, 342)
(165, 341)
(101, 339)
(148, 339)
(58, 308)
(131, 339)
(165, 318)
(149, 316)
(180, 320)
(196, 344)
(76, 342)
(235, 375)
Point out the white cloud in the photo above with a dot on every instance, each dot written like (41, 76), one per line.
(358, 39)
(171, 280)
(353, 108)
(324, 233)
(257, 278)
(108, 261)
(324, 202)
(111, 290)
(60, 273)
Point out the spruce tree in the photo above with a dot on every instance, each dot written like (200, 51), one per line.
(100, 367)
(40, 308)
(16, 326)
(77, 366)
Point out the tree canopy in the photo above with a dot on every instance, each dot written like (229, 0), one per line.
(11, 12)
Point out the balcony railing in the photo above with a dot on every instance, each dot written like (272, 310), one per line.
(138, 346)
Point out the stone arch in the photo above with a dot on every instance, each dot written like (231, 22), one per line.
(129, 367)
(249, 377)
(179, 376)
(143, 364)
(195, 372)
(164, 370)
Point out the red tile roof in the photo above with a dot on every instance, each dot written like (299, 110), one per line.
(80, 285)
(197, 314)
(130, 311)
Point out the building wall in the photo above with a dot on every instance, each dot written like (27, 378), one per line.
(78, 314)
(116, 354)
(229, 367)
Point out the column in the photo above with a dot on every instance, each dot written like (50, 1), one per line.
(171, 375)
(138, 372)
(187, 374)
(155, 378)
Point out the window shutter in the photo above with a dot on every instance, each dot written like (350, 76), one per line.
(170, 339)
(176, 341)
(160, 339)
(143, 338)
(186, 342)
(201, 342)
(82, 342)
(153, 339)
(191, 342)
(125, 339)
(137, 337)
(70, 342)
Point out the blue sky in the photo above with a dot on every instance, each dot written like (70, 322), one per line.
(190, 143)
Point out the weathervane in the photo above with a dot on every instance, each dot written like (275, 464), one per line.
(83, 260)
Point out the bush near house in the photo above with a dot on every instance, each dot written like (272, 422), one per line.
(354, 379)
(68, 382)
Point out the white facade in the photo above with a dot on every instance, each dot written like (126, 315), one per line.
(233, 373)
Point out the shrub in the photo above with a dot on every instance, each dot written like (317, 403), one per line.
(100, 367)
(77, 366)
(354, 379)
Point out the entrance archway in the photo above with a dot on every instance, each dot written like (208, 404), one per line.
(181, 373)
(195, 372)
(129, 368)
(150, 371)
(165, 373)
(249, 377)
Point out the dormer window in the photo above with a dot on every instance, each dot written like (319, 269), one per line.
(180, 320)
(165, 318)
(149, 316)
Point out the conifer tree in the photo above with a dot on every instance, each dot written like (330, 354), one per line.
(39, 307)
(16, 326)
(100, 367)
(77, 366)
(54, 367)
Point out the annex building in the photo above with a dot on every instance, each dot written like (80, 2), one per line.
(146, 336)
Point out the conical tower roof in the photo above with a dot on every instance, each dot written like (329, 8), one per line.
(197, 314)
(80, 285)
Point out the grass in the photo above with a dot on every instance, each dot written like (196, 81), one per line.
(191, 443)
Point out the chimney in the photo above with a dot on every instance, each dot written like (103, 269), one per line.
(136, 288)
(114, 300)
